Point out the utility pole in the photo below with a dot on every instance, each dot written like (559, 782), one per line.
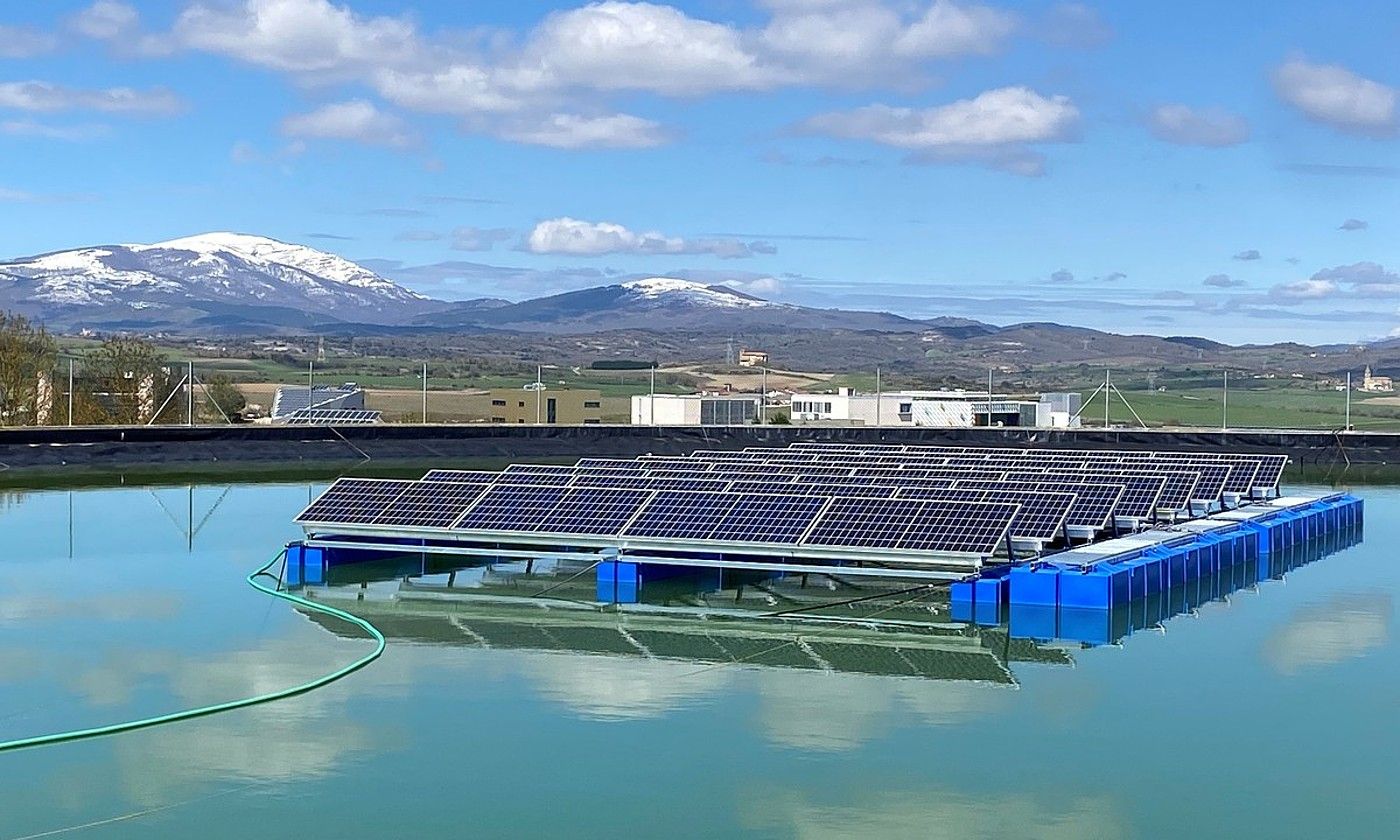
(425, 393)
(189, 392)
(651, 397)
(1348, 421)
(70, 391)
(1225, 403)
(989, 398)
(879, 397)
(539, 386)
(310, 378)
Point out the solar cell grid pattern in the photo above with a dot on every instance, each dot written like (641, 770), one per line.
(430, 504)
(353, 500)
(331, 416)
(911, 524)
(510, 507)
(646, 482)
(592, 510)
(461, 476)
(1041, 517)
(1094, 503)
(1140, 492)
(682, 516)
(768, 519)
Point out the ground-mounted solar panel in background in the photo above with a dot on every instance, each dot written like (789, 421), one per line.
(430, 504)
(330, 417)
(354, 501)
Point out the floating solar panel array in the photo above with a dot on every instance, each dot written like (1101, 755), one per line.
(903, 502)
(330, 417)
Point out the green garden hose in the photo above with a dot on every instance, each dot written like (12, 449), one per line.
(230, 705)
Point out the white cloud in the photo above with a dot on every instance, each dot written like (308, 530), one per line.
(31, 128)
(22, 42)
(356, 120)
(49, 97)
(993, 128)
(300, 36)
(1311, 289)
(119, 24)
(1333, 95)
(642, 46)
(573, 131)
(592, 239)
(1354, 224)
(1186, 126)
(950, 30)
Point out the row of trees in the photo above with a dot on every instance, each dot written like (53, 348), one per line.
(124, 381)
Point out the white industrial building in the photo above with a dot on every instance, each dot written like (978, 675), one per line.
(939, 409)
(695, 409)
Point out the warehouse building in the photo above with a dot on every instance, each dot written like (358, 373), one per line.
(938, 409)
(530, 405)
(695, 409)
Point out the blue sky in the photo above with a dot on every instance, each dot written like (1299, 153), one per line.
(1223, 169)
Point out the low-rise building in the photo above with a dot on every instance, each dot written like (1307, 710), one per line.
(938, 409)
(727, 409)
(541, 405)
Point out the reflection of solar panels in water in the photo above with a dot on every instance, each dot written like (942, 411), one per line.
(956, 527)
(462, 476)
(592, 510)
(353, 500)
(430, 504)
(510, 507)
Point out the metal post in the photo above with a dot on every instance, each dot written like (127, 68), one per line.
(70, 392)
(425, 392)
(1225, 402)
(539, 386)
(879, 396)
(651, 397)
(1348, 421)
(310, 378)
(189, 393)
(1107, 387)
(989, 398)
(763, 400)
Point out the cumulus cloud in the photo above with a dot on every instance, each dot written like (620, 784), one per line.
(995, 128)
(1335, 96)
(1062, 276)
(591, 239)
(1222, 281)
(518, 87)
(49, 97)
(23, 42)
(1186, 126)
(1246, 256)
(357, 120)
(1362, 280)
(1353, 224)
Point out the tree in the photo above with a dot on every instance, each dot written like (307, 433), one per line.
(779, 419)
(226, 395)
(131, 382)
(27, 358)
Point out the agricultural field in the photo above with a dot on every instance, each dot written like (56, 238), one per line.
(1253, 407)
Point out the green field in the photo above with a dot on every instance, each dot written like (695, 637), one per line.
(1257, 407)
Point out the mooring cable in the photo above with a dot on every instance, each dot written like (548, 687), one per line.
(229, 705)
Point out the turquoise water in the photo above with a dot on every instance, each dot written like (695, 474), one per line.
(1270, 714)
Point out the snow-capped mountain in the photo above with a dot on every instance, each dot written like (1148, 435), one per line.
(211, 277)
(670, 290)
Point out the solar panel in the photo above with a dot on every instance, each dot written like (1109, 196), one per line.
(1140, 492)
(1270, 471)
(592, 510)
(1094, 503)
(679, 515)
(330, 416)
(510, 507)
(1041, 517)
(430, 504)
(353, 500)
(646, 482)
(462, 476)
(942, 526)
(768, 519)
